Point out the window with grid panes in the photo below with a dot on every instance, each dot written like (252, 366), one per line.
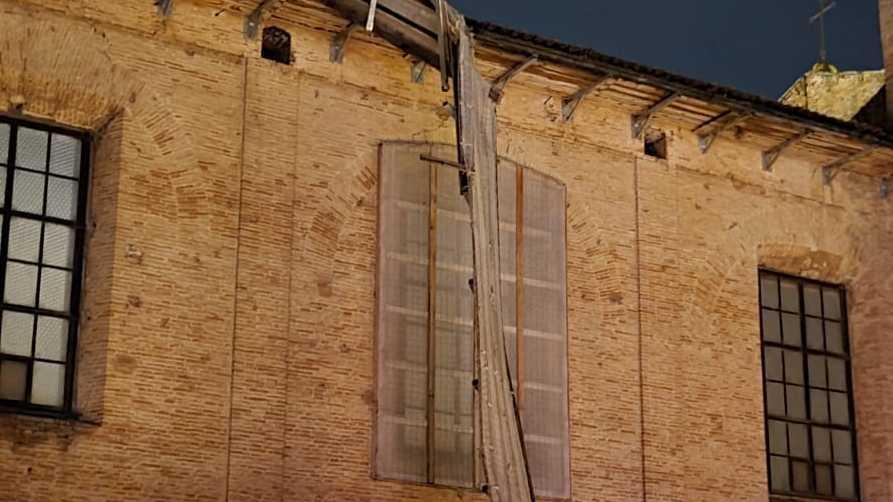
(810, 428)
(424, 219)
(43, 173)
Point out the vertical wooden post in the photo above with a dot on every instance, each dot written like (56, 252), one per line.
(505, 462)
(432, 319)
(519, 284)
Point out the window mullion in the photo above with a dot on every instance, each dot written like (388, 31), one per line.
(77, 272)
(7, 209)
(807, 387)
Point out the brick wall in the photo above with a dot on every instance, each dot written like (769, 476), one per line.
(227, 346)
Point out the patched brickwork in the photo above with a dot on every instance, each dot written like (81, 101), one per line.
(227, 344)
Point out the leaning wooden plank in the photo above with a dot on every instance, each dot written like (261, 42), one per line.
(504, 459)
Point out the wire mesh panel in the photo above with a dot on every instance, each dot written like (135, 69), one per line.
(431, 438)
(43, 198)
(401, 445)
(454, 418)
(544, 335)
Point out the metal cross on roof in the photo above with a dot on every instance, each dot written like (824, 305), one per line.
(824, 8)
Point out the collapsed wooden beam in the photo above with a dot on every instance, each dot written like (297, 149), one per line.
(830, 171)
(771, 155)
(641, 120)
(254, 19)
(395, 30)
(706, 140)
(569, 104)
(498, 88)
(504, 456)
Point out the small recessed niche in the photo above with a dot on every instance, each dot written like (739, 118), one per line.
(276, 45)
(656, 144)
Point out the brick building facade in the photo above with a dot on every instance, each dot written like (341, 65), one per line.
(227, 338)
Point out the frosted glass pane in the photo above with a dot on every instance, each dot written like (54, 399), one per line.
(799, 441)
(778, 438)
(48, 385)
(31, 149)
(837, 374)
(790, 296)
(16, 333)
(27, 192)
(65, 155)
(771, 326)
(791, 329)
(13, 376)
(812, 299)
(796, 400)
(21, 284)
(769, 291)
(4, 143)
(840, 409)
(817, 372)
(844, 485)
(779, 474)
(821, 444)
(843, 448)
(814, 336)
(832, 303)
(2, 186)
(52, 339)
(823, 479)
(24, 239)
(834, 337)
(818, 406)
(793, 367)
(801, 472)
(55, 289)
(775, 399)
(58, 245)
(773, 364)
(62, 198)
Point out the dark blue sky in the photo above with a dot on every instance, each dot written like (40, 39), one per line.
(758, 46)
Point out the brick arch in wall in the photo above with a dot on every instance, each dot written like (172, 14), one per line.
(776, 251)
(67, 75)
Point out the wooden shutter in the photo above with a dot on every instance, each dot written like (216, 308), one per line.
(404, 443)
(543, 341)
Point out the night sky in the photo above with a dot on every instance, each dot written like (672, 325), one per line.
(758, 46)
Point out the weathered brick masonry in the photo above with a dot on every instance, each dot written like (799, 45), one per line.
(226, 350)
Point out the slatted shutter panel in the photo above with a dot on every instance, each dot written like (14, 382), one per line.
(454, 394)
(401, 448)
(544, 335)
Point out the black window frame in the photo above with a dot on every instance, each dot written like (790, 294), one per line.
(805, 351)
(79, 225)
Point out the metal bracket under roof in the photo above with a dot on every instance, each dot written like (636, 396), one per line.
(885, 187)
(570, 103)
(771, 155)
(498, 87)
(255, 18)
(830, 171)
(641, 120)
(728, 121)
(165, 7)
(339, 43)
